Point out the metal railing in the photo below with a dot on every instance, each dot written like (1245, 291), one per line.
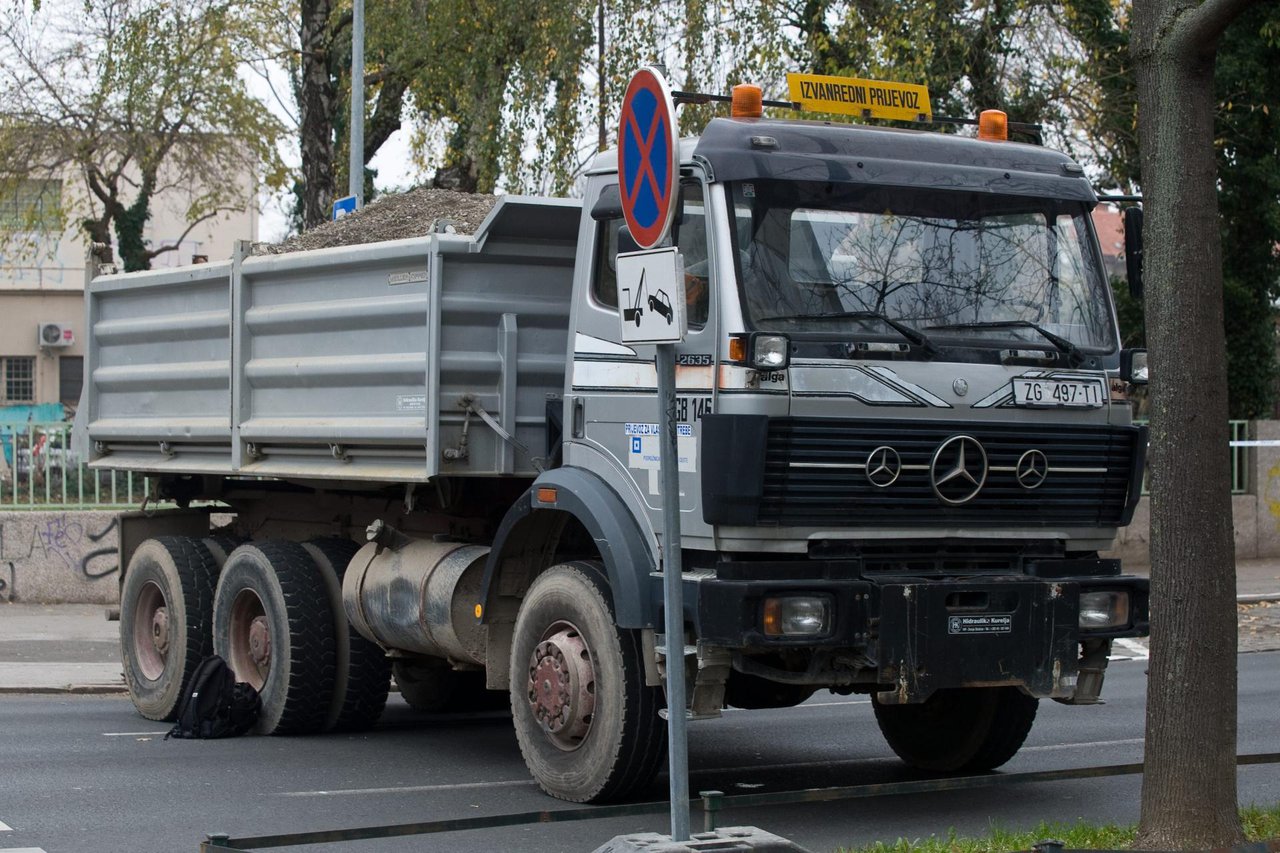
(1238, 438)
(40, 470)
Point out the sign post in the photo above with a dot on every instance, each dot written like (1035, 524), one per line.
(652, 310)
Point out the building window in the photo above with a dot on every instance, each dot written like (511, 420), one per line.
(31, 205)
(19, 379)
(70, 379)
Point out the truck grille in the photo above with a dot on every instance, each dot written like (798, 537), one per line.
(816, 474)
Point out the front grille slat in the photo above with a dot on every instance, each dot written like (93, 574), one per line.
(842, 496)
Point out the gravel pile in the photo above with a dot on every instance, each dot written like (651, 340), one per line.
(392, 217)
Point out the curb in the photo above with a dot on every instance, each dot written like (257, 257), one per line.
(75, 689)
(1258, 598)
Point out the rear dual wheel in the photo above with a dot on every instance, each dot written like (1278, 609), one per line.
(362, 676)
(273, 623)
(166, 605)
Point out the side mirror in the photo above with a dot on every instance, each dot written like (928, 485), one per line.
(1133, 366)
(1133, 250)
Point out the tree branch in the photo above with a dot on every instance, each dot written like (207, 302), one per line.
(1200, 27)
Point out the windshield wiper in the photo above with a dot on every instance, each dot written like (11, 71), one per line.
(1075, 357)
(912, 334)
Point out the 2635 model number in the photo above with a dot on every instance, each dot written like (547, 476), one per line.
(1074, 393)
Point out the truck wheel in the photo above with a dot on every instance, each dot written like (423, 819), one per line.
(362, 676)
(751, 692)
(273, 624)
(436, 687)
(972, 729)
(165, 608)
(220, 545)
(426, 687)
(587, 725)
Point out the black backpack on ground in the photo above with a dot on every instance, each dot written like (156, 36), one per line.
(216, 705)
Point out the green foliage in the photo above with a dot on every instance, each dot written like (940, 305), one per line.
(1260, 823)
(1248, 147)
(133, 99)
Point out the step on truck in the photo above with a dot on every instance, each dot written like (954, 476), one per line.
(905, 435)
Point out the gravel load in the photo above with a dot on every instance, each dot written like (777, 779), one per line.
(392, 217)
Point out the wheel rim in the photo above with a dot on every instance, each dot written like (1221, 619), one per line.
(250, 639)
(151, 631)
(562, 686)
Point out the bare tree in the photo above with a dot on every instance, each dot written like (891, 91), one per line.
(1189, 790)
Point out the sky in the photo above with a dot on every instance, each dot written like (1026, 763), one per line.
(394, 161)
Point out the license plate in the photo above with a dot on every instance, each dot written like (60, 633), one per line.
(1054, 393)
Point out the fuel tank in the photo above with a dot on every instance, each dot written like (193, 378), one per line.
(417, 596)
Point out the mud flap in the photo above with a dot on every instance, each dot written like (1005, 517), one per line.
(937, 635)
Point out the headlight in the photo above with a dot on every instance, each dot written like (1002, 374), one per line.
(797, 616)
(760, 351)
(1100, 611)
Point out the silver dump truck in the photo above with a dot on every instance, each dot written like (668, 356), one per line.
(905, 436)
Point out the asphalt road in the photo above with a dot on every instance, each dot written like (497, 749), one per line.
(82, 773)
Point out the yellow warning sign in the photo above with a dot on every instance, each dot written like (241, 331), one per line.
(855, 96)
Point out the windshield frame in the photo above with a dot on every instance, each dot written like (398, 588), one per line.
(1095, 282)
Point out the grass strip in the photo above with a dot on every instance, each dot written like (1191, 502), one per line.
(1261, 823)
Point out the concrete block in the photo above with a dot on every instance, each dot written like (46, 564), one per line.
(729, 839)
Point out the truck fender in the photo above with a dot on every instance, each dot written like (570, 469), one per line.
(526, 543)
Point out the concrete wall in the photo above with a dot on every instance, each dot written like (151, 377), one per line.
(49, 557)
(1255, 516)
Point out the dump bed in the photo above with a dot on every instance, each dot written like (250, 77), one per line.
(340, 364)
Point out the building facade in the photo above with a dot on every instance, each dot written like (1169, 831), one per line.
(42, 279)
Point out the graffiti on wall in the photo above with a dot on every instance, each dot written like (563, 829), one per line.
(68, 549)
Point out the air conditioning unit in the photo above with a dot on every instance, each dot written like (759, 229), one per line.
(55, 335)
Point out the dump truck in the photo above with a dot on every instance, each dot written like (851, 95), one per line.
(904, 438)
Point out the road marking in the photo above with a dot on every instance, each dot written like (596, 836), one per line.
(24, 850)
(408, 789)
(135, 734)
(1123, 741)
(4, 827)
(807, 705)
(1135, 648)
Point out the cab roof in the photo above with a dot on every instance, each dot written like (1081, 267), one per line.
(735, 149)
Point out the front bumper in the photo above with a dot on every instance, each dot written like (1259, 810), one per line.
(915, 635)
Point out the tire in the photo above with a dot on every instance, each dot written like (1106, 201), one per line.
(436, 687)
(608, 739)
(752, 693)
(973, 729)
(273, 624)
(166, 605)
(362, 673)
(220, 545)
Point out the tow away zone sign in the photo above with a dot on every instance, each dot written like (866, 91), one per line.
(856, 96)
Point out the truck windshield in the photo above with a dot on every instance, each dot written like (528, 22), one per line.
(827, 257)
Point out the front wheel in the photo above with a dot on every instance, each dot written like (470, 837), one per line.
(587, 724)
(970, 729)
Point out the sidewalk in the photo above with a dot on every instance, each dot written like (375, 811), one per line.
(73, 648)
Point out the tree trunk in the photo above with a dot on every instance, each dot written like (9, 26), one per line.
(317, 102)
(1189, 788)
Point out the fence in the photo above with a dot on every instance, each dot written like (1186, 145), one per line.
(40, 470)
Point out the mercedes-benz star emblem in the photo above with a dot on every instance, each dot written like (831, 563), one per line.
(883, 466)
(1032, 470)
(958, 470)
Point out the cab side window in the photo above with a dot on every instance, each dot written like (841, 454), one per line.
(690, 232)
